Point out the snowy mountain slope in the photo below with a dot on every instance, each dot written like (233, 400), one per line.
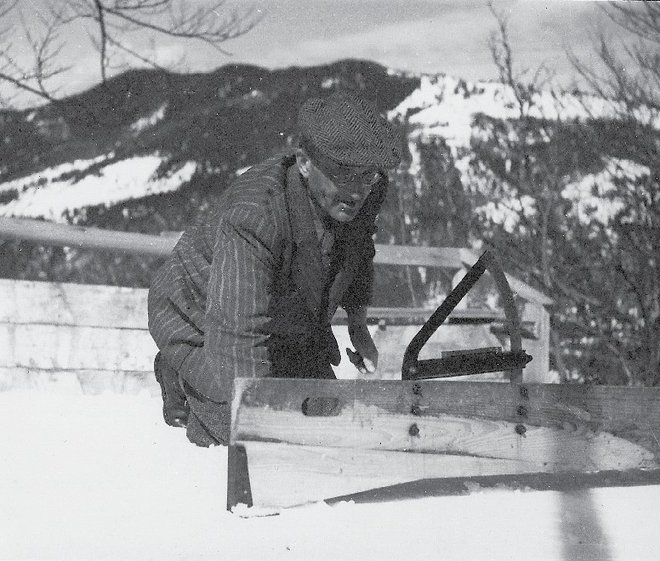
(149, 132)
(445, 108)
(58, 195)
(440, 107)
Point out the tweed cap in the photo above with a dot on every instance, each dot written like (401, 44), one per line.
(347, 130)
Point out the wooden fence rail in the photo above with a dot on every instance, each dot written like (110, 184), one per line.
(146, 244)
(113, 320)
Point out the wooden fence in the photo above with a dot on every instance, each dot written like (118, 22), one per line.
(96, 338)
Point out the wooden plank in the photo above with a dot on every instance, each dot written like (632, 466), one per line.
(284, 475)
(70, 304)
(449, 257)
(538, 370)
(131, 242)
(518, 287)
(72, 347)
(114, 306)
(328, 432)
(85, 381)
(84, 237)
(609, 408)
(418, 316)
(332, 474)
(363, 426)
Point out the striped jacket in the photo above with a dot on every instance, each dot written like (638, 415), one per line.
(245, 292)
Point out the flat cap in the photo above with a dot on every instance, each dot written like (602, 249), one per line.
(346, 129)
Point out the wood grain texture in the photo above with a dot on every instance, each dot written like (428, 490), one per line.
(132, 242)
(438, 429)
(72, 304)
(283, 475)
(608, 408)
(58, 347)
(126, 308)
(84, 237)
(68, 305)
(83, 381)
(369, 428)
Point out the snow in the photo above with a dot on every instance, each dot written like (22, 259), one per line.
(50, 174)
(102, 477)
(509, 214)
(55, 192)
(444, 106)
(329, 83)
(149, 121)
(595, 196)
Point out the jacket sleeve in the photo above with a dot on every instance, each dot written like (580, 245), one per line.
(239, 293)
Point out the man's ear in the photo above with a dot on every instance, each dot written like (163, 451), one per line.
(304, 163)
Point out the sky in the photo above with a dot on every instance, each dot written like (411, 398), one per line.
(436, 36)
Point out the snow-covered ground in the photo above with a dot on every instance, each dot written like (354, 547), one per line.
(101, 477)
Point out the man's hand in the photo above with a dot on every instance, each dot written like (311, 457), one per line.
(365, 355)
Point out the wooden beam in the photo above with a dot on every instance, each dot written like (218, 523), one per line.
(469, 258)
(85, 381)
(449, 257)
(71, 347)
(327, 435)
(84, 237)
(69, 304)
(131, 242)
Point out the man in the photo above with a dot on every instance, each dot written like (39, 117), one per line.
(251, 288)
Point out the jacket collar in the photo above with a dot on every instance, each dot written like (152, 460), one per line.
(308, 268)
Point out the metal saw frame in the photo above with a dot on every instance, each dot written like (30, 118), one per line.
(472, 361)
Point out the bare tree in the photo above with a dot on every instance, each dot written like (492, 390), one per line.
(629, 75)
(630, 72)
(604, 274)
(111, 26)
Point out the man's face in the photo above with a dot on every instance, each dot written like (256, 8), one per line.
(338, 191)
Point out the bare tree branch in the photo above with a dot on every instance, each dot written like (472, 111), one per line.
(109, 25)
(630, 73)
(643, 22)
(7, 6)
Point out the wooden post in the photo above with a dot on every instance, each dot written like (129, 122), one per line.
(238, 477)
(537, 371)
